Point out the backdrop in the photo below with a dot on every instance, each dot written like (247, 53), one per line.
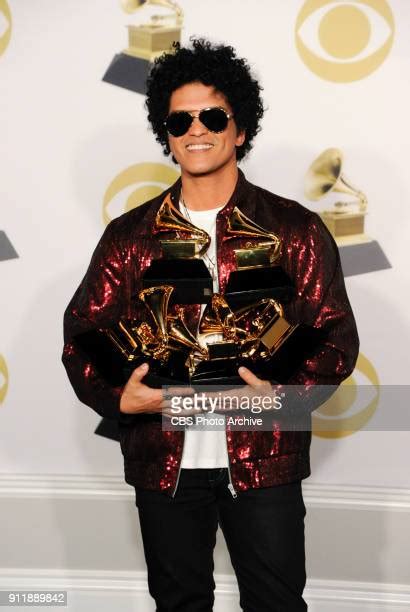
(76, 151)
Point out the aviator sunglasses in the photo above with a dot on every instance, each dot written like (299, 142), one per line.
(215, 119)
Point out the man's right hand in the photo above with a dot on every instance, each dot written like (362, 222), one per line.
(138, 397)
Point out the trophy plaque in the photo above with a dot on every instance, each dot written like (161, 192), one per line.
(130, 68)
(359, 253)
(181, 265)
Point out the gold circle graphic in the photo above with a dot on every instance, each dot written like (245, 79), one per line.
(344, 32)
(341, 401)
(5, 38)
(149, 179)
(4, 379)
(333, 28)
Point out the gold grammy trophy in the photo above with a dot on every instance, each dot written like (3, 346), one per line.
(146, 42)
(257, 273)
(345, 220)
(181, 265)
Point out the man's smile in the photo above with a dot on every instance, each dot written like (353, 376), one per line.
(199, 147)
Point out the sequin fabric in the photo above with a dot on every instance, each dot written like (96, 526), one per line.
(310, 257)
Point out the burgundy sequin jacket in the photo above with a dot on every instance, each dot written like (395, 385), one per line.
(310, 257)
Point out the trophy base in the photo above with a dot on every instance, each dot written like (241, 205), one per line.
(268, 282)
(217, 372)
(343, 224)
(6, 248)
(190, 278)
(286, 360)
(362, 258)
(174, 373)
(150, 41)
(128, 72)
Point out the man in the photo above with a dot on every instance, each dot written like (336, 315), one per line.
(248, 482)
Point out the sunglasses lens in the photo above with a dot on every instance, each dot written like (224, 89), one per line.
(215, 119)
(178, 124)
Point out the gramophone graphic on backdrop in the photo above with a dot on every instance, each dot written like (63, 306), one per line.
(7, 251)
(359, 253)
(130, 68)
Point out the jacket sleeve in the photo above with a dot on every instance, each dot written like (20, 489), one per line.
(96, 303)
(323, 303)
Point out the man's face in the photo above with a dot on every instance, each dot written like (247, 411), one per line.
(215, 150)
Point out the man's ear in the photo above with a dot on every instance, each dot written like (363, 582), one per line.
(240, 138)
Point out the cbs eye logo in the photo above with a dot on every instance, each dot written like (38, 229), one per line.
(134, 186)
(4, 379)
(344, 41)
(350, 407)
(5, 25)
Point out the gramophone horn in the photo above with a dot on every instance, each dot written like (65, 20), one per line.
(208, 323)
(325, 175)
(156, 299)
(239, 225)
(130, 6)
(181, 335)
(169, 219)
(224, 316)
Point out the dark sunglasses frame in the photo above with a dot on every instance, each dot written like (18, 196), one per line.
(197, 115)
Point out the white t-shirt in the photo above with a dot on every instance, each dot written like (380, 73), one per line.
(205, 449)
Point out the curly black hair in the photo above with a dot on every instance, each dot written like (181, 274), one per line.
(209, 64)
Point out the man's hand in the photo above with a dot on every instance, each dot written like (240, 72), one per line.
(139, 398)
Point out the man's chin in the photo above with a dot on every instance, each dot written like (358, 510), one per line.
(198, 171)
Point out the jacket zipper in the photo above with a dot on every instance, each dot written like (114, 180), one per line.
(179, 468)
(230, 484)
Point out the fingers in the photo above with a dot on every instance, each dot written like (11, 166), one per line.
(250, 378)
(138, 397)
(139, 373)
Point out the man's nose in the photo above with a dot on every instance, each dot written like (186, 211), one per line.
(197, 128)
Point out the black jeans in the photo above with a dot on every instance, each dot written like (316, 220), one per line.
(264, 533)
